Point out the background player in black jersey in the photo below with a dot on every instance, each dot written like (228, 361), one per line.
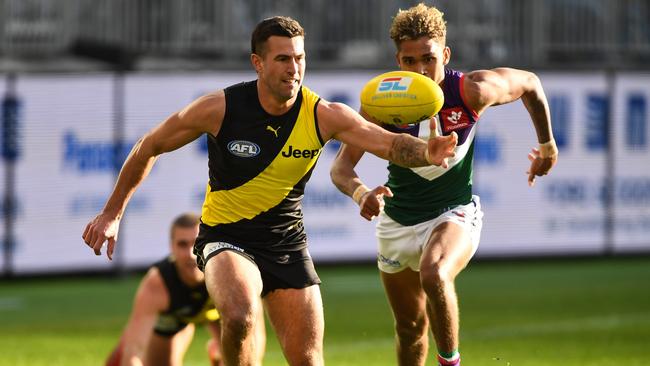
(235, 278)
(170, 301)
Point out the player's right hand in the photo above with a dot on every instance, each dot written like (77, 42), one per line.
(372, 202)
(103, 228)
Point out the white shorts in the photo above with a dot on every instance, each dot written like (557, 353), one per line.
(401, 246)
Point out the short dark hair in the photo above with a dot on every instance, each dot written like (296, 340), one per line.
(186, 220)
(275, 26)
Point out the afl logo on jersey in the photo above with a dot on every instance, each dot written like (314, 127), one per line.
(243, 149)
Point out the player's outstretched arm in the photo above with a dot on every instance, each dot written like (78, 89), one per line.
(348, 182)
(485, 88)
(339, 121)
(202, 116)
(150, 300)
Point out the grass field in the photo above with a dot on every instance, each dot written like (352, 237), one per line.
(531, 313)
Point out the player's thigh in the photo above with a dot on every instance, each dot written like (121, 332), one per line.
(406, 297)
(234, 283)
(453, 238)
(297, 317)
(448, 250)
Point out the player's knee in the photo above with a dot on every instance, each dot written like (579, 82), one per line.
(436, 275)
(310, 356)
(238, 322)
(411, 331)
(308, 352)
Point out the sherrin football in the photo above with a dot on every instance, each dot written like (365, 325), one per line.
(401, 97)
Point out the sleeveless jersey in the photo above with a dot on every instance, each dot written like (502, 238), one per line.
(259, 165)
(421, 194)
(186, 304)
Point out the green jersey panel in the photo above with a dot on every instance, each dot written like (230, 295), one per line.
(417, 199)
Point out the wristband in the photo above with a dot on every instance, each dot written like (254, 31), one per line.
(359, 192)
(548, 149)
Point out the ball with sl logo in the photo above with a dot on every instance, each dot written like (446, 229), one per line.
(401, 97)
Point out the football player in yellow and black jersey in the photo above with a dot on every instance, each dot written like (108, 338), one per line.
(171, 300)
(265, 137)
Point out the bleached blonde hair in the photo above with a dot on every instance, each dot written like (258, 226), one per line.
(418, 21)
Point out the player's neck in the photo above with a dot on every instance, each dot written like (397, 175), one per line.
(272, 103)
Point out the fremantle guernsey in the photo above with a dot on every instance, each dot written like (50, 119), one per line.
(421, 194)
(259, 165)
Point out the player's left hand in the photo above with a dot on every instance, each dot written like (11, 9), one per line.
(372, 202)
(539, 164)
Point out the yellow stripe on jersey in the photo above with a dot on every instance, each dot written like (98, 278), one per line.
(298, 155)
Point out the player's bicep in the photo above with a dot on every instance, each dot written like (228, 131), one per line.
(349, 155)
(484, 88)
(347, 126)
(204, 115)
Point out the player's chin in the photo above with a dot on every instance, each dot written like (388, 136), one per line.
(290, 87)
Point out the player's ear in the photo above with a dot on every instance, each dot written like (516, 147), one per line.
(446, 55)
(256, 61)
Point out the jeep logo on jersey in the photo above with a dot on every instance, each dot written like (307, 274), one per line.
(243, 149)
(297, 153)
(394, 84)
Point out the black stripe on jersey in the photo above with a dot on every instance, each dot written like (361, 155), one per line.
(280, 227)
(246, 120)
(320, 138)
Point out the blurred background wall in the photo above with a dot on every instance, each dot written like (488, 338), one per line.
(81, 80)
(38, 34)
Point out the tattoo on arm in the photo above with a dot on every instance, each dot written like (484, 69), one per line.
(408, 151)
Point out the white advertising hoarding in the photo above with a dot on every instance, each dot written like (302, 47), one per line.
(64, 173)
(631, 191)
(66, 170)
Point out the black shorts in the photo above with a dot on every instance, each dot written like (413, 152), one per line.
(281, 267)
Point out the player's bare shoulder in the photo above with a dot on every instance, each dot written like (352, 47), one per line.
(207, 110)
(482, 88)
(334, 118)
(152, 290)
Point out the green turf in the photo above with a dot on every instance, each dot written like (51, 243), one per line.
(531, 313)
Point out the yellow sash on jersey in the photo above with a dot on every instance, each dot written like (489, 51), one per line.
(274, 183)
